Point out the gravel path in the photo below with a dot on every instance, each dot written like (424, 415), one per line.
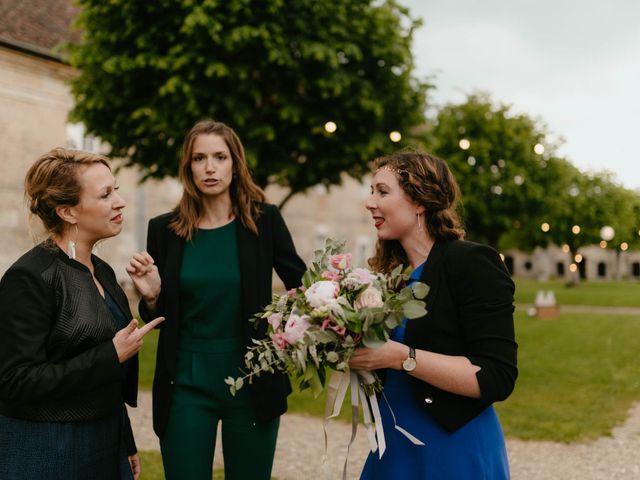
(301, 441)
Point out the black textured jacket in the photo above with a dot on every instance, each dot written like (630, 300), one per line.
(57, 358)
(258, 255)
(470, 313)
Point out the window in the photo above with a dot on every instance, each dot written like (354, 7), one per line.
(78, 139)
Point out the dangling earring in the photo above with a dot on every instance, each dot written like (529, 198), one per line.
(71, 246)
(419, 223)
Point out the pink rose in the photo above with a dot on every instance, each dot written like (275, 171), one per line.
(279, 341)
(363, 275)
(295, 327)
(331, 324)
(332, 276)
(322, 293)
(370, 298)
(292, 293)
(274, 320)
(341, 261)
(357, 278)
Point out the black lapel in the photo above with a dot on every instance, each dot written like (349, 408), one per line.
(249, 263)
(431, 276)
(171, 276)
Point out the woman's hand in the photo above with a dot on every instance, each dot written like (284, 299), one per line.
(128, 341)
(145, 277)
(389, 355)
(134, 463)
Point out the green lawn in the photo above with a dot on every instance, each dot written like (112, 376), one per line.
(578, 375)
(609, 294)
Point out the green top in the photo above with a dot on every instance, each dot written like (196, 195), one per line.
(210, 286)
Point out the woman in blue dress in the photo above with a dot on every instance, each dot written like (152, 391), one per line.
(443, 371)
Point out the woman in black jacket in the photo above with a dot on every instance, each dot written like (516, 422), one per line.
(208, 269)
(443, 371)
(68, 349)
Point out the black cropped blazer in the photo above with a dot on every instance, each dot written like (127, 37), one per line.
(57, 358)
(470, 313)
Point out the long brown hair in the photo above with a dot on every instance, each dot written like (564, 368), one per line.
(428, 182)
(245, 194)
(52, 181)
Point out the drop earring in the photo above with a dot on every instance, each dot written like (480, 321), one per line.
(419, 223)
(71, 246)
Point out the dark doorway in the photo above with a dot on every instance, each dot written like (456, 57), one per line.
(560, 269)
(602, 270)
(582, 268)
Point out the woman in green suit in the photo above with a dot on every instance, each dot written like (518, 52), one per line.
(208, 269)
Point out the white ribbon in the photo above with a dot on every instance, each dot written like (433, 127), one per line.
(336, 394)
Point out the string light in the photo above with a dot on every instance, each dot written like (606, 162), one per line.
(330, 127)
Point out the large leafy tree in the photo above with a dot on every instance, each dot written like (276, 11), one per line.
(504, 182)
(276, 71)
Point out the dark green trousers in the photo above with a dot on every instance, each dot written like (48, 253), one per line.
(201, 399)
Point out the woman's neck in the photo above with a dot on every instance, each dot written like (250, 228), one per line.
(417, 248)
(216, 212)
(82, 249)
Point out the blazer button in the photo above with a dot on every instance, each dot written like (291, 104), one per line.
(428, 400)
(172, 382)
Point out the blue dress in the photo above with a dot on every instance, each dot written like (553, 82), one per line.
(475, 451)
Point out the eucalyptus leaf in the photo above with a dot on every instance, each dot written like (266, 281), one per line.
(372, 342)
(420, 290)
(414, 309)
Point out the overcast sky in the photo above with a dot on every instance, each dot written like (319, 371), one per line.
(574, 64)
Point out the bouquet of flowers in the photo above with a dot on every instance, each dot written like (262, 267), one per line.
(320, 323)
(316, 327)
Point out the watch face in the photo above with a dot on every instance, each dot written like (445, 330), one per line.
(409, 364)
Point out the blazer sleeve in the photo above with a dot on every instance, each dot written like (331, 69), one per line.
(288, 265)
(26, 374)
(485, 308)
(153, 249)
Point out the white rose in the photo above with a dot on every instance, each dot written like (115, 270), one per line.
(370, 298)
(321, 293)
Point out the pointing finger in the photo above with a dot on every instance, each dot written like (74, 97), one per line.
(150, 326)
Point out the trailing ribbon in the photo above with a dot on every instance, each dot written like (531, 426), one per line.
(336, 393)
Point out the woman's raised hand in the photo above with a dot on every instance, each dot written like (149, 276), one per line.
(128, 341)
(145, 276)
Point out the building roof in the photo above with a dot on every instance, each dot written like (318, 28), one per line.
(37, 26)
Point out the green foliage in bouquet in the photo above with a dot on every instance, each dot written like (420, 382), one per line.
(338, 308)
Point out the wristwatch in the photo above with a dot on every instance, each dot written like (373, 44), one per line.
(409, 363)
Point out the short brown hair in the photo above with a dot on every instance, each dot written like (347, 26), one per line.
(245, 194)
(428, 182)
(52, 181)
